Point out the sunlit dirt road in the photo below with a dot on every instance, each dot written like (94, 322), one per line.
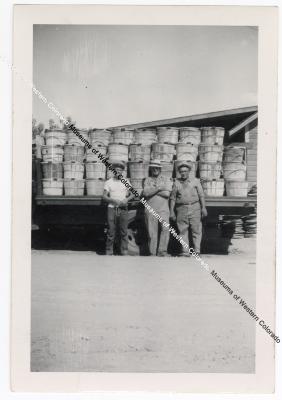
(141, 314)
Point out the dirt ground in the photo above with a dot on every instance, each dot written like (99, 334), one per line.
(142, 314)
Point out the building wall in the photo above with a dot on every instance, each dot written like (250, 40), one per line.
(251, 136)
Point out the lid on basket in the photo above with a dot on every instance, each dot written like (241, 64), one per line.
(187, 164)
(72, 162)
(211, 145)
(73, 145)
(52, 147)
(210, 162)
(118, 164)
(73, 179)
(53, 179)
(192, 128)
(167, 127)
(241, 182)
(54, 130)
(51, 162)
(98, 144)
(211, 180)
(145, 163)
(212, 127)
(95, 180)
(155, 163)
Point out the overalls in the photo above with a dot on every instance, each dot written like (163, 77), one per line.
(158, 235)
(188, 211)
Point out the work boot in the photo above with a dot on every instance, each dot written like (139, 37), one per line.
(184, 255)
(162, 254)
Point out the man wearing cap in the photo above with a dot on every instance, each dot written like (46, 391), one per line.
(156, 191)
(188, 201)
(117, 195)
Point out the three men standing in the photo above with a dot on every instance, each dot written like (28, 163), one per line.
(187, 208)
(188, 201)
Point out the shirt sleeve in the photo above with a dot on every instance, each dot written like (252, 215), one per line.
(200, 188)
(107, 186)
(128, 188)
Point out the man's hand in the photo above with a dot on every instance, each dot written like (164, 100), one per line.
(204, 212)
(123, 203)
(162, 188)
(164, 193)
(173, 216)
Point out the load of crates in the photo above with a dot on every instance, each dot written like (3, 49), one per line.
(72, 169)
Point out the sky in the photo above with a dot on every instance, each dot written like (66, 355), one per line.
(107, 75)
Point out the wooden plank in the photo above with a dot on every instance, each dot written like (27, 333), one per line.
(251, 158)
(243, 124)
(189, 118)
(96, 200)
(254, 129)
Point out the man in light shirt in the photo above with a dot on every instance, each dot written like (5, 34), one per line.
(117, 195)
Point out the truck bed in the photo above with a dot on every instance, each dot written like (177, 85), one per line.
(225, 201)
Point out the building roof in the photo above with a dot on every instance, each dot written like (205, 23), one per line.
(225, 118)
(243, 124)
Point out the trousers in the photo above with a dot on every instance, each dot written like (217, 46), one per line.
(190, 216)
(117, 217)
(158, 235)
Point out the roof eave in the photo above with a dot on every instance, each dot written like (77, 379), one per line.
(243, 124)
(189, 118)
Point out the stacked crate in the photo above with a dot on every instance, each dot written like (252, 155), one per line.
(67, 165)
(140, 153)
(95, 170)
(210, 160)
(74, 155)
(52, 152)
(187, 148)
(235, 170)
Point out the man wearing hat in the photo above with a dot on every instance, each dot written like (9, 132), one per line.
(117, 195)
(156, 191)
(188, 201)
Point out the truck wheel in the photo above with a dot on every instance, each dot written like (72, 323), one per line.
(133, 248)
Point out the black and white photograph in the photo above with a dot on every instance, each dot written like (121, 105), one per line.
(174, 111)
(145, 204)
